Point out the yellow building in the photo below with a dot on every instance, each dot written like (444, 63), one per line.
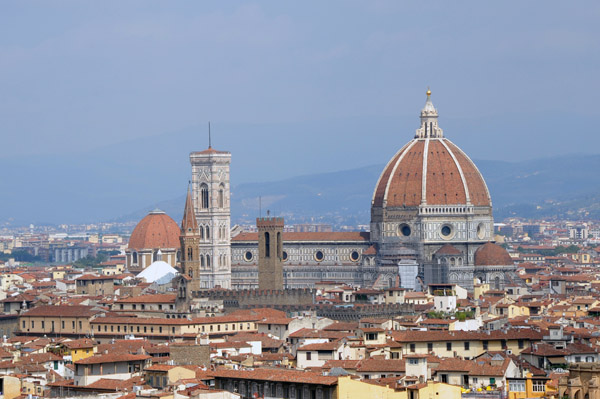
(11, 386)
(154, 327)
(469, 344)
(529, 387)
(162, 375)
(349, 388)
(80, 348)
(517, 311)
(480, 289)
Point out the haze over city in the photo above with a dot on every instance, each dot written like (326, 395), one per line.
(104, 95)
(299, 200)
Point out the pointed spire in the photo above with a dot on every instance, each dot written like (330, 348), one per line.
(429, 121)
(189, 216)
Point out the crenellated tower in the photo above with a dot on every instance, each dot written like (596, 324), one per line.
(270, 253)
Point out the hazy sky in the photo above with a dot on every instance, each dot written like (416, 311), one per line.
(76, 75)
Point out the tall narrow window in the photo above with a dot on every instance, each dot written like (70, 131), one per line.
(190, 252)
(202, 260)
(221, 196)
(204, 196)
(202, 232)
(207, 232)
(134, 256)
(267, 245)
(279, 249)
(207, 260)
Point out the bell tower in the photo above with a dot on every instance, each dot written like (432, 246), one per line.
(190, 245)
(270, 253)
(211, 202)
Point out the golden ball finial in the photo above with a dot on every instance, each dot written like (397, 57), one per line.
(428, 92)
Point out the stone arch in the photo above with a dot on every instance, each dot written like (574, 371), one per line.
(204, 196)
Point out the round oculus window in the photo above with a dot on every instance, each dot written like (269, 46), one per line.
(284, 256)
(354, 256)
(319, 256)
(404, 230)
(248, 256)
(446, 231)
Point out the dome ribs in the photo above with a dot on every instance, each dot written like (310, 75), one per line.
(382, 183)
(155, 230)
(444, 185)
(478, 190)
(406, 182)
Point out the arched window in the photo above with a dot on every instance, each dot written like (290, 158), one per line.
(190, 253)
(221, 196)
(202, 232)
(155, 256)
(207, 260)
(279, 248)
(190, 272)
(134, 257)
(204, 196)
(497, 283)
(207, 233)
(267, 244)
(202, 260)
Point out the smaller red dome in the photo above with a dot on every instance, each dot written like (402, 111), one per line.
(156, 230)
(490, 254)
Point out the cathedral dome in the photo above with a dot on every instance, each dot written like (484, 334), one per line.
(430, 170)
(490, 254)
(156, 230)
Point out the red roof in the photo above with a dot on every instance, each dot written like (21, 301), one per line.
(62, 311)
(401, 182)
(210, 151)
(189, 223)
(448, 249)
(490, 254)
(156, 298)
(156, 230)
(112, 358)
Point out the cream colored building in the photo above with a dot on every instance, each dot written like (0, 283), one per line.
(57, 320)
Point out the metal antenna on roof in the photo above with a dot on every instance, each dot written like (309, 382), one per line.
(209, 143)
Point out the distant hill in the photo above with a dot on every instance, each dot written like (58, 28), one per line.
(567, 187)
(128, 179)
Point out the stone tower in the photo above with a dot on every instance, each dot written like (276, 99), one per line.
(270, 253)
(190, 244)
(211, 198)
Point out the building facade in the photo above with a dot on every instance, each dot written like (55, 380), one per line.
(431, 212)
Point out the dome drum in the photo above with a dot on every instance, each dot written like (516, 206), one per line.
(155, 236)
(431, 194)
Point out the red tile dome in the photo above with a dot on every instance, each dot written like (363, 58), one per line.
(156, 230)
(430, 170)
(490, 254)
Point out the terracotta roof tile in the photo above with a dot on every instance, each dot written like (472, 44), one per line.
(156, 230)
